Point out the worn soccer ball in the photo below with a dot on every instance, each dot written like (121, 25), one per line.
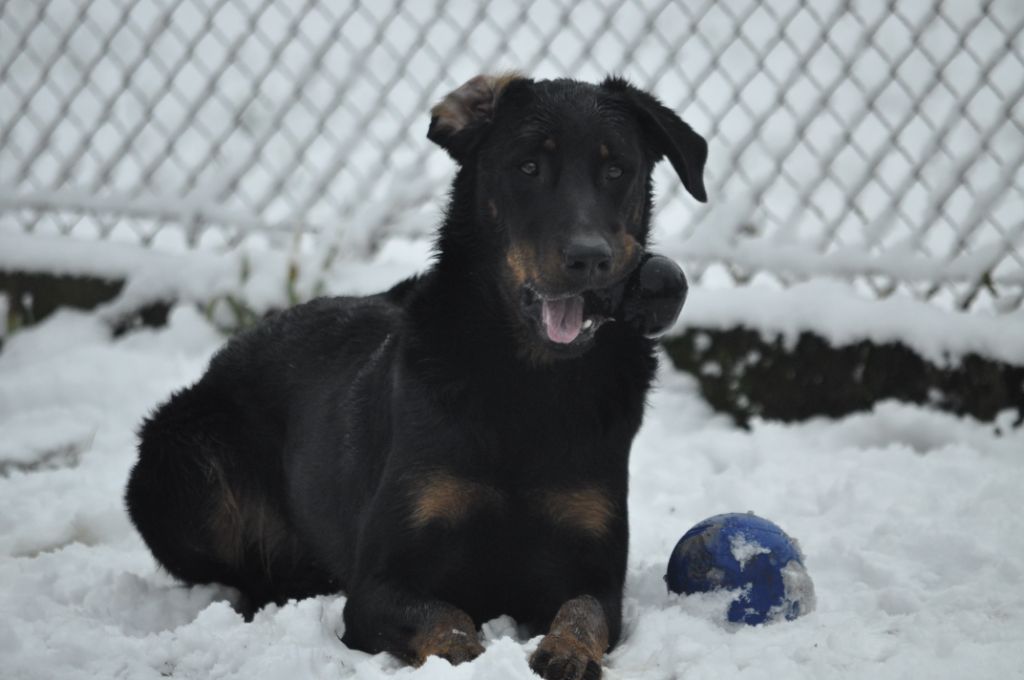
(654, 295)
(649, 300)
(749, 556)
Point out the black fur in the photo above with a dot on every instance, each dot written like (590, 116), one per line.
(295, 465)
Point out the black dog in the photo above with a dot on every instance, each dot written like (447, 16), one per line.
(456, 448)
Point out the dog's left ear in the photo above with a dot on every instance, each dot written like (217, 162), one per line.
(457, 121)
(669, 135)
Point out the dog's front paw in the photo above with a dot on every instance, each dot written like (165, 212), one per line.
(454, 645)
(564, 658)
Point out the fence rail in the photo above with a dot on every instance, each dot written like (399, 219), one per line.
(879, 141)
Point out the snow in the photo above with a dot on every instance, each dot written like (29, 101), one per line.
(256, 276)
(743, 549)
(832, 309)
(909, 519)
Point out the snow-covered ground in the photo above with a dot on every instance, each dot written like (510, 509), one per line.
(910, 520)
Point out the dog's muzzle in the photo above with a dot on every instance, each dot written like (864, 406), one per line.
(649, 299)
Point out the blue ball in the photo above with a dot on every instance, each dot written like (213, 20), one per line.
(750, 556)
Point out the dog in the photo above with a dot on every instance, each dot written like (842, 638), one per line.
(455, 448)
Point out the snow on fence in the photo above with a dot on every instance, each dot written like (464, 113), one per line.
(879, 141)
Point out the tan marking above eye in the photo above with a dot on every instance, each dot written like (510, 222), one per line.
(550, 144)
(442, 496)
(587, 509)
(604, 152)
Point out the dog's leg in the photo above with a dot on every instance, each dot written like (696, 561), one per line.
(385, 618)
(576, 642)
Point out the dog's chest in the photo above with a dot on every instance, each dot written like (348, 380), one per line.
(492, 549)
(457, 503)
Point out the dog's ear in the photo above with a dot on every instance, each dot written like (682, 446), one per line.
(457, 120)
(669, 136)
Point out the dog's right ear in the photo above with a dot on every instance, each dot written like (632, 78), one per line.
(457, 120)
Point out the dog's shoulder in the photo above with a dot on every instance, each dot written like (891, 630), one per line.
(403, 291)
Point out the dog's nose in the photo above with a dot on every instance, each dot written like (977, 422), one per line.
(587, 256)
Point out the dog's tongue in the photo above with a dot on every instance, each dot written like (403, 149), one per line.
(563, 318)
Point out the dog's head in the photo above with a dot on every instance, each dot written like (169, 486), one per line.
(561, 193)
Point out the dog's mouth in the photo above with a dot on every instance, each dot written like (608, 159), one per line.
(568, 320)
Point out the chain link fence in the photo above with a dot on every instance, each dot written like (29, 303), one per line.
(882, 142)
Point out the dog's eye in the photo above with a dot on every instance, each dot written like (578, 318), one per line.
(529, 168)
(613, 172)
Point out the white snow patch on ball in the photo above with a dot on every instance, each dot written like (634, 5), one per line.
(798, 589)
(745, 549)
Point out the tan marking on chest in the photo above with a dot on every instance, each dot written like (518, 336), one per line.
(444, 497)
(587, 509)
